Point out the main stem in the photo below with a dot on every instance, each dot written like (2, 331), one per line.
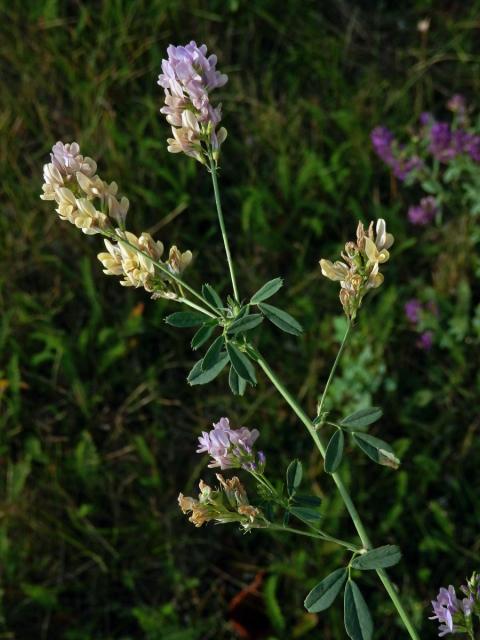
(357, 521)
(213, 171)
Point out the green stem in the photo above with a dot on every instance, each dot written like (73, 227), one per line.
(193, 305)
(334, 367)
(213, 171)
(355, 516)
(318, 535)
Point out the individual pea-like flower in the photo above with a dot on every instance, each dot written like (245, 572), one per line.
(231, 448)
(228, 503)
(453, 614)
(79, 211)
(177, 261)
(360, 269)
(188, 78)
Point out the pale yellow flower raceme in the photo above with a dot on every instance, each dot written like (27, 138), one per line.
(228, 503)
(360, 269)
(91, 204)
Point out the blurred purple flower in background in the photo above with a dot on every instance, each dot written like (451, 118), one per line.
(423, 213)
(413, 309)
(457, 104)
(425, 341)
(387, 149)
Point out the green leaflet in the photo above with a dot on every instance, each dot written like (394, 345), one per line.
(294, 476)
(281, 319)
(213, 353)
(198, 376)
(357, 618)
(241, 364)
(202, 335)
(183, 319)
(379, 558)
(240, 325)
(362, 418)
(212, 296)
(237, 384)
(334, 452)
(267, 291)
(378, 450)
(324, 593)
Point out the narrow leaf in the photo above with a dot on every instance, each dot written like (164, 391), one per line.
(202, 335)
(237, 384)
(267, 291)
(334, 452)
(306, 501)
(362, 418)
(241, 364)
(324, 593)
(294, 476)
(379, 558)
(357, 618)
(197, 376)
(246, 323)
(213, 353)
(306, 514)
(212, 296)
(281, 319)
(184, 319)
(378, 450)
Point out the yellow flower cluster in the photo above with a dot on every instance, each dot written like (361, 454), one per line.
(360, 269)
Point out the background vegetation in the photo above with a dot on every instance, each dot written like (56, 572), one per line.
(98, 427)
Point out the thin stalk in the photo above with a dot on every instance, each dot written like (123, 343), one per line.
(193, 305)
(213, 171)
(318, 535)
(334, 367)
(355, 516)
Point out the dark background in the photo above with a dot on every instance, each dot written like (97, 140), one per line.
(98, 427)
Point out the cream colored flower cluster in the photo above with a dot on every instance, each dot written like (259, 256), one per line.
(360, 269)
(91, 204)
(133, 258)
(70, 180)
(227, 504)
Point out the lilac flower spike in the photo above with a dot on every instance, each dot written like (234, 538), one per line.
(188, 78)
(230, 448)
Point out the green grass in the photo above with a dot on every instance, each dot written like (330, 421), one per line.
(98, 427)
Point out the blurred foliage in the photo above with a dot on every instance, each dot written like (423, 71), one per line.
(98, 427)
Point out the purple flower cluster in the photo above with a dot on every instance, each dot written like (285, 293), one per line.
(188, 78)
(423, 213)
(414, 310)
(231, 448)
(449, 610)
(446, 143)
(388, 150)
